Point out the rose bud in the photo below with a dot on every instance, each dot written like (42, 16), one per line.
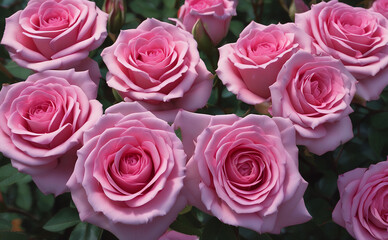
(215, 16)
(116, 10)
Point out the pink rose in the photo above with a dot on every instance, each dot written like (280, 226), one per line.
(214, 14)
(380, 6)
(315, 94)
(356, 36)
(42, 121)
(158, 65)
(129, 174)
(173, 235)
(244, 171)
(54, 34)
(249, 66)
(362, 207)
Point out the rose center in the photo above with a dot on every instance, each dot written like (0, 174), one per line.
(130, 164)
(152, 56)
(264, 48)
(40, 110)
(244, 168)
(316, 89)
(54, 18)
(351, 24)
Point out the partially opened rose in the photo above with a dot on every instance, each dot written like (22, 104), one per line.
(380, 6)
(244, 171)
(42, 121)
(249, 66)
(362, 207)
(315, 94)
(129, 174)
(214, 14)
(356, 36)
(158, 65)
(54, 34)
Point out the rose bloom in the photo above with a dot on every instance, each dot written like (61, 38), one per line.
(54, 34)
(158, 65)
(249, 66)
(315, 94)
(214, 14)
(362, 207)
(173, 235)
(129, 173)
(356, 36)
(244, 171)
(42, 121)
(380, 6)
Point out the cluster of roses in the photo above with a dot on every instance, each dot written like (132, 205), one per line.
(127, 170)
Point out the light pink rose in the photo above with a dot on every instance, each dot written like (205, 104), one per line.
(244, 171)
(249, 66)
(42, 121)
(129, 174)
(215, 15)
(315, 93)
(380, 6)
(173, 235)
(356, 36)
(362, 207)
(158, 65)
(54, 34)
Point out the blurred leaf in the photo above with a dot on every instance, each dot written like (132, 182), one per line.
(10, 175)
(187, 208)
(65, 218)
(187, 223)
(169, 3)
(380, 120)
(147, 9)
(377, 140)
(13, 236)
(236, 27)
(319, 209)
(18, 71)
(178, 133)
(44, 202)
(327, 185)
(7, 3)
(216, 230)
(85, 231)
(24, 199)
(5, 225)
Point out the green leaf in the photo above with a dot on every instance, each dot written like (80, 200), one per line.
(377, 140)
(186, 209)
(319, 209)
(13, 236)
(236, 27)
(24, 199)
(187, 223)
(65, 218)
(44, 202)
(178, 133)
(18, 71)
(169, 3)
(327, 185)
(380, 120)
(5, 225)
(216, 230)
(85, 231)
(145, 8)
(10, 175)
